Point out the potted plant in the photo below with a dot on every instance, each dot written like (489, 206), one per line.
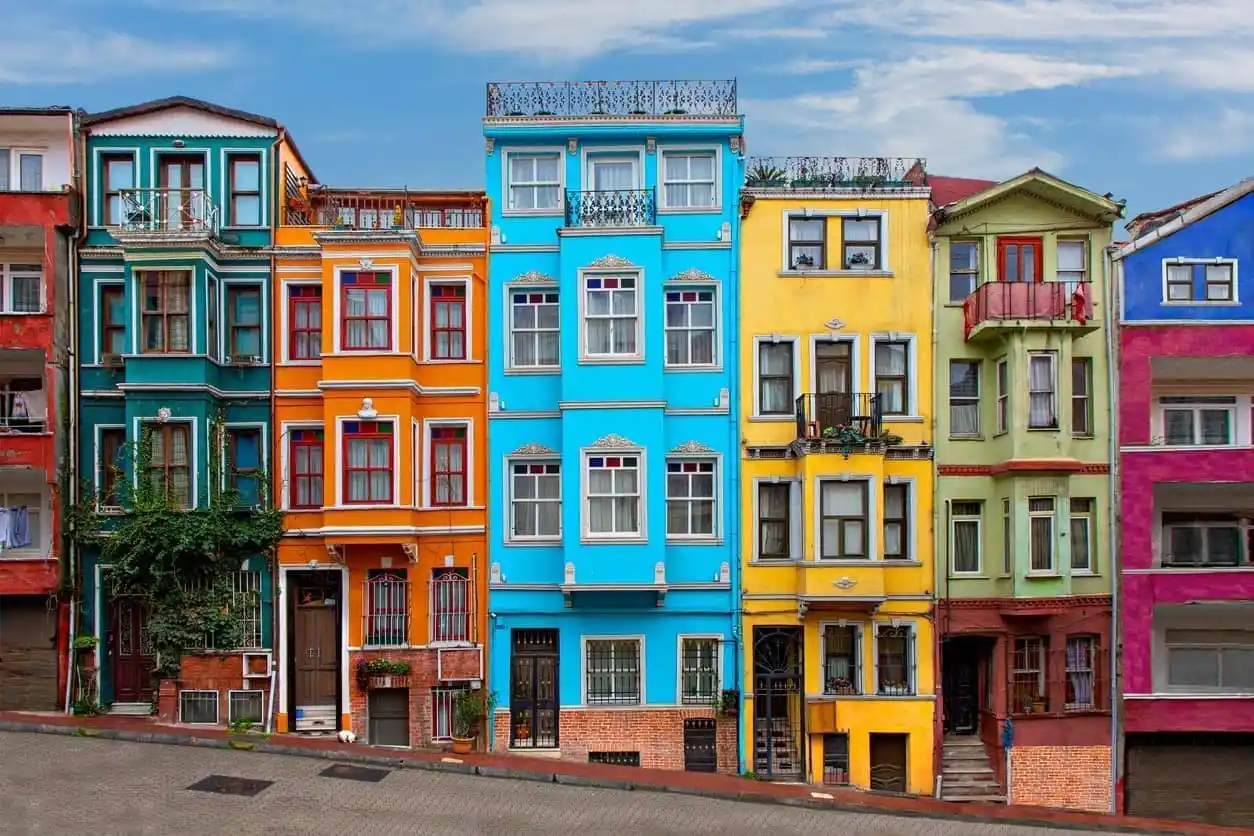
(469, 710)
(374, 674)
(727, 703)
(801, 262)
(765, 175)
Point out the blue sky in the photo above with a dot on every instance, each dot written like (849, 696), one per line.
(1152, 100)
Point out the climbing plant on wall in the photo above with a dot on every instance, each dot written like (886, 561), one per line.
(184, 561)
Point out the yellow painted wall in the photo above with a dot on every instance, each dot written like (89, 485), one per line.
(779, 304)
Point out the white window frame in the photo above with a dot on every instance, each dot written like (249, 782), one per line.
(14, 169)
(859, 652)
(978, 519)
(7, 277)
(43, 534)
(468, 312)
(1008, 537)
(1086, 398)
(1192, 263)
(1052, 358)
(585, 502)
(871, 520)
(886, 251)
(715, 532)
(507, 186)
(583, 669)
(966, 400)
(912, 685)
(714, 152)
(1197, 407)
(1088, 518)
(717, 638)
(1217, 646)
(795, 340)
(974, 274)
(587, 357)
(1002, 382)
(912, 405)
(512, 361)
(510, 512)
(1052, 517)
(796, 547)
(715, 329)
(428, 488)
(1070, 277)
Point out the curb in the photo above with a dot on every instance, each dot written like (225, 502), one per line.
(453, 765)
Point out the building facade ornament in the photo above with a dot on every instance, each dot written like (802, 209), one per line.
(534, 277)
(692, 448)
(365, 263)
(367, 409)
(613, 441)
(692, 274)
(532, 449)
(611, 261)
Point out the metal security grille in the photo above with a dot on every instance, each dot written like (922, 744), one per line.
(615, 758)
(442, 701)
(387, 608)
(613, 670)
(700, 745)
(700, 671)
(198, 707)
(246, 706)
(247, 606)
(452, 602)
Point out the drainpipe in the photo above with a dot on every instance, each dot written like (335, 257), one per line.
(1113, 298)
(276, 208)
(938, 723)
(733, 405)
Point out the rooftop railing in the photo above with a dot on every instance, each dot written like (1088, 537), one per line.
(819, 173)
(611, 98)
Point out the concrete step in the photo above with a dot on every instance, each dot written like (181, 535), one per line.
(962, 740)
(966, 757)
(965, 768)
(970, 788)
(968, 777)
(131, 709)
(969, 799)
(966, 782)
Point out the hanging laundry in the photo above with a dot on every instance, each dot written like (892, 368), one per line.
(21, 408)
(19, 527)
(4, 528)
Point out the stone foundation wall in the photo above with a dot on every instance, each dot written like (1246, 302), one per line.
(1070, 777)
(656, 733)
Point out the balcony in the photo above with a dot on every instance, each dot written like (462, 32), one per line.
(601, 99)
(996, 308)
(313, 207)
(611, 209)
(822, 174)
(840, 421)
(180, 214)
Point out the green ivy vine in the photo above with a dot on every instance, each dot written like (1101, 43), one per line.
(182, 560)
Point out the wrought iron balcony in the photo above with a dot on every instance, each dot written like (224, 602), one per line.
(612, 208)
(374, 211)
(997, 306)
(166, 211)
(842, 419)
(611, 98)
(824, 173)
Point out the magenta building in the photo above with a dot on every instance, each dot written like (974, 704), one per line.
(1184, 354)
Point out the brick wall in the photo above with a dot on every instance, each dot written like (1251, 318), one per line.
(423, 676)
(221, 672)
(1071, 777)
(656, 733)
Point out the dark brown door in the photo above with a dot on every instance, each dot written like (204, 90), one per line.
(961, 681)
(183, 178)
(28, 654)
(130, 649)
(833, 379)
(1191, 777)
(888, 762)
(533, 689)
(388, 710)
(317, 653)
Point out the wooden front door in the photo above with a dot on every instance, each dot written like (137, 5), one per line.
(888, 762)
(315, 646)
(130, 649)
(183, 178)
(833, 379)
(961, 682)
(533, 689)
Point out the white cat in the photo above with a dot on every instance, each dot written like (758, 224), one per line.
(347, 736)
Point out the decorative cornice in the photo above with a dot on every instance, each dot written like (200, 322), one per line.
(611, 261)
(692, 448)
(534, 277)
(613, 441)
(1048, 467)
(692, 274)
(1020, 604)
(834, 324)
(532, 450)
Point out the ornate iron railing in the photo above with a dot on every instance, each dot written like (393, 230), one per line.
(612, 208)
(853, 417)
(819, 173)
(402, 211)
(612, 98)
(168, 210)
(452, 607)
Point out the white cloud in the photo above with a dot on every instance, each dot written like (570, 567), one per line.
(39, 51)
(1229, 133)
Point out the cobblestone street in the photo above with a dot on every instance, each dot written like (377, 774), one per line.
(71, 785)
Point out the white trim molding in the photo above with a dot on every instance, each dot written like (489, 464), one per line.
(758, 341)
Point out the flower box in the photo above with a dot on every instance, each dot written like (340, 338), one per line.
(378, 683)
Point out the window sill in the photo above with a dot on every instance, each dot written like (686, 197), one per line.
(450, 362)
(617, 706)
(692, 369)
(23, 313)
(1085, 573)
(548, 542)
(1052, 429)
(620, 540)
(366, 352)
(903, 419)
(625, 360)
(533, 213)
(966, 438)
(835, 274)
(773, 419)
(287, 362)
(780, 561)
(24, 554)
(1199, 303)
(1042, 576)
(694, 541)
(538, 370)
(690, 210)
(859, 561)
(966, 576)
(449, 508)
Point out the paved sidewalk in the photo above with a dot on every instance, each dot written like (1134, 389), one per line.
(599, 775)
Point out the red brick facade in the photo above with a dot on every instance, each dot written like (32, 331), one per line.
(1070, 777)
(221, 672)
(457, 665)
(656, 733)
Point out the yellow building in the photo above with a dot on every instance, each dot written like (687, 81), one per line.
(836, 342)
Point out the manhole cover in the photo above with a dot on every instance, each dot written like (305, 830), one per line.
(355, 773)
(228, 785)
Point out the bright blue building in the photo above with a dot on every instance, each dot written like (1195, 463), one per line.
(613, 441)
(172, 334)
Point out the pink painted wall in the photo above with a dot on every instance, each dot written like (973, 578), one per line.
(1139, 472)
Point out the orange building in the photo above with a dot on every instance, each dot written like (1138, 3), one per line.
(381, 419)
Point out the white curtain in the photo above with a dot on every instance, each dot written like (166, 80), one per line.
(773, 509)
(689, 180)
(775, 363)
(616, 176)
(450, 467)
(890, 373)
(613, 504)
(380, 481)
(377, 306)
(1041, 393)
(358, 482)
(843, 537)
(964, 394)
(894, 510)
(611, 322)
(1080, 672)
(537, 509)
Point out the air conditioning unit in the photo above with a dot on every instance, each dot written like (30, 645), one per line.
(243, 360)
(111, 361)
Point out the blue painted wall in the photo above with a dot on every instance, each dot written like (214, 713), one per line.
(656, 409)
(1227, 234)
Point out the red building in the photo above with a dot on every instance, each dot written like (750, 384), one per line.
(38, 219)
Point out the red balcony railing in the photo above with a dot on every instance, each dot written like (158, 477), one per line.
(1042, 302)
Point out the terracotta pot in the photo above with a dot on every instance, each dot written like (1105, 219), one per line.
(462, 745)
